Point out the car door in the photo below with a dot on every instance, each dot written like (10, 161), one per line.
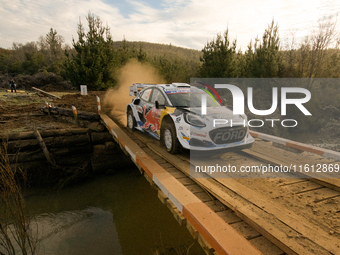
(143, 106)
(152, 114)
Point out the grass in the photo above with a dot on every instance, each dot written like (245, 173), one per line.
(9, 99)
(16, 236)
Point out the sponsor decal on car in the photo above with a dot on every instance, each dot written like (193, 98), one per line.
(198, 134)
(139, 109)
(152, 119)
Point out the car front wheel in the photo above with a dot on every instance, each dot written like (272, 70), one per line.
(131, 122)
(169, 138)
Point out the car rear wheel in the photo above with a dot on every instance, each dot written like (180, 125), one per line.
(131, 121)
(169, 138)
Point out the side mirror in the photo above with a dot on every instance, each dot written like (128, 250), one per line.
(158, 106)
(136, 101)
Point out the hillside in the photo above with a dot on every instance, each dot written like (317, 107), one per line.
(156, 49)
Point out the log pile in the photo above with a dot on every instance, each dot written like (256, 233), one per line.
(64, 154)
(90, 116)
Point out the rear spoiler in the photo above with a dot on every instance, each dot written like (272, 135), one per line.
(136, 87)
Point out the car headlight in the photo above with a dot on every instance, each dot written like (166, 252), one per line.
(194, 120)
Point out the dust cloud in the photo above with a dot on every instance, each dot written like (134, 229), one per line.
(115, 100)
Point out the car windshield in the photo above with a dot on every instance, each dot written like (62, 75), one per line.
(192, 99)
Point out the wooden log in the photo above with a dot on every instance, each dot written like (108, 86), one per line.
(101, 150)
(73, 159)
(69, 151)
(31, 166)
(69, 112)
(22, 145)
(56, 142)
(113, 162)
(10, 116)
(36, 155)
(101, 138)
(43, 147)
(97, 127)
(45, 93)
(44, 133)
(65, 141)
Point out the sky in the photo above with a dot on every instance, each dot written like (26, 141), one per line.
(185, 23)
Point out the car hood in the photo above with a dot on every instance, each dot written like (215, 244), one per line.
(221, 112)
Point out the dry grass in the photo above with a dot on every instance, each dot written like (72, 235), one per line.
(16, 236)
(15, 99)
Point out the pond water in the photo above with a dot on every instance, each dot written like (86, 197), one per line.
(118, 214)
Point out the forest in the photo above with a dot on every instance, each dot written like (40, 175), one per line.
(94, 59)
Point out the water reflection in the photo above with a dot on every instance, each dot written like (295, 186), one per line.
(118, 214)
(90, 231)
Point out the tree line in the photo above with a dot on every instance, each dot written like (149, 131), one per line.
(94, 57)
(317, 56)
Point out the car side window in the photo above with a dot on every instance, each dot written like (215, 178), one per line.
(158, 96)
(146, 95)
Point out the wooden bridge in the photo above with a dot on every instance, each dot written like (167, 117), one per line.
(245, 216)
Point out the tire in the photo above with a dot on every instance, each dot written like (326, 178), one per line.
(169, 138)
(131, 121)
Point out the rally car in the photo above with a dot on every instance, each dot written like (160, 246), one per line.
(172, 113)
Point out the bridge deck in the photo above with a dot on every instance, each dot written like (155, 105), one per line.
(241, 216)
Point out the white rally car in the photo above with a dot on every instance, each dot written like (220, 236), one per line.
(172, 114)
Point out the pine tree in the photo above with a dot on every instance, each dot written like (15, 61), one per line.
(95, 57)
(267, 57)
(219, 58)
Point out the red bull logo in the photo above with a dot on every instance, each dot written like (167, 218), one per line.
(152, 119)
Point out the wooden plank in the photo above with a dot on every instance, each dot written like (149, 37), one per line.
(205, 245)
(176, 213)
(301, 187)
(229, 216)
(162, 197)
(271, 231)
(300, 224)
(194, 188)
(245, 230)
(203, 196)
(194, 233)
(263, 152)
(178, 175)
(265, 246)
(186, 181)
(45, 93)
(216, 206)
(180, 217)
(319, 195)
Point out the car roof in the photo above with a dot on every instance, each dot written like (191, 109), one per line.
(173, 87)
